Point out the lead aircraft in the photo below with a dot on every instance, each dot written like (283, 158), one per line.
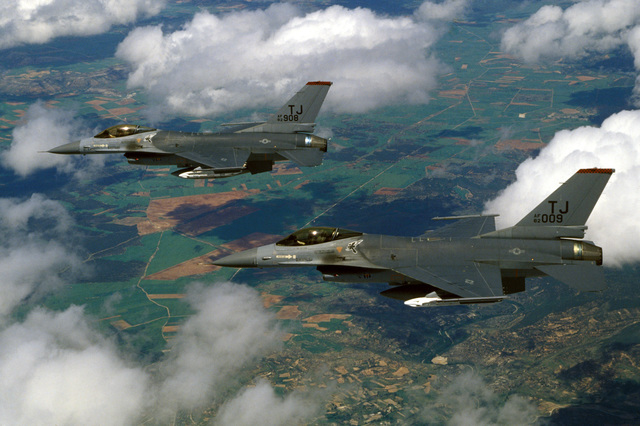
(249, 147)
(468, 261)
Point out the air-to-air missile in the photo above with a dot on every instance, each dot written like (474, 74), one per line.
(467, 261)
(249, 147)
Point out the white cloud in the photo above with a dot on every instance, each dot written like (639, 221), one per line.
(230, 331)
(472, 402)
(614, 223)
(45, 128)
(37, 245)
(54, 369)
(215, 64)
(447, 10)
(261, 405)
(39, 21)
(586, 27)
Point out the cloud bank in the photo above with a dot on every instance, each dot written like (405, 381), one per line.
(614, 223)
(474, 403)
(54, 369)
(57, 367)
(248, 59)
(231, 331)
(586, 27)
(44, 128)
(37, 245)
(34, 22)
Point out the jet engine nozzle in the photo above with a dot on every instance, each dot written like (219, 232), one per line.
(581, 250)
(313, 141)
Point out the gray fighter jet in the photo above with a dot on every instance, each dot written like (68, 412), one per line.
(465, 262)
(249, 147)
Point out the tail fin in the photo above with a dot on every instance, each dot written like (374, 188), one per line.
(304, 106)
(572, 203)
(297, 115)
(564, 212)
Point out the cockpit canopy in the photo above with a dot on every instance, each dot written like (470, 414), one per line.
(316, 235)
(121, 130)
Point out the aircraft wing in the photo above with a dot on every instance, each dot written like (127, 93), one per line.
(469, 279)
(464, 227)
(221, 158)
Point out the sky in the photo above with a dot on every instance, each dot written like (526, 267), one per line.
(242, 60)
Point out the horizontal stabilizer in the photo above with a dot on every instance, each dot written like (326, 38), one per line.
(304, 157)
(582, 277)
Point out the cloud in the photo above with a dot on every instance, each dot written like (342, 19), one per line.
(261, 405)
(37, 245)
(472, 402)
(586, 27)
(614, 223)
(28, 21)
(230, 332)
(220, 63)
(44, 128)
(448, 10)
(54, 369)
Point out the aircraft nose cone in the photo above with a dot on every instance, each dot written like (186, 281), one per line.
(68, 148)
(243, 259)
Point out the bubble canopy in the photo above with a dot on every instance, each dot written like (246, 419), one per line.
(121, 130)
(317, 235)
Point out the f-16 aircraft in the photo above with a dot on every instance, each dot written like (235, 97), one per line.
(250, 147)
(465, 262)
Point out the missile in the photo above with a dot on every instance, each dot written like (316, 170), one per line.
(432, 299)
(200, 173)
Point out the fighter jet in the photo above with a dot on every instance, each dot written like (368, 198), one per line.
(249, 147)
(465, 262)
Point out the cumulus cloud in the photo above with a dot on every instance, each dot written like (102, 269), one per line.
(45, 128)
(471, 402)
(614, 223)
(28, 21)
(448, 10)
(37, 245)
(586, 27)
(261, 405)
(54, 369)
(218, 63)
(231, 331)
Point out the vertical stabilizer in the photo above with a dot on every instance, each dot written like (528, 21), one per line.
(304, 106)
(572, 203)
